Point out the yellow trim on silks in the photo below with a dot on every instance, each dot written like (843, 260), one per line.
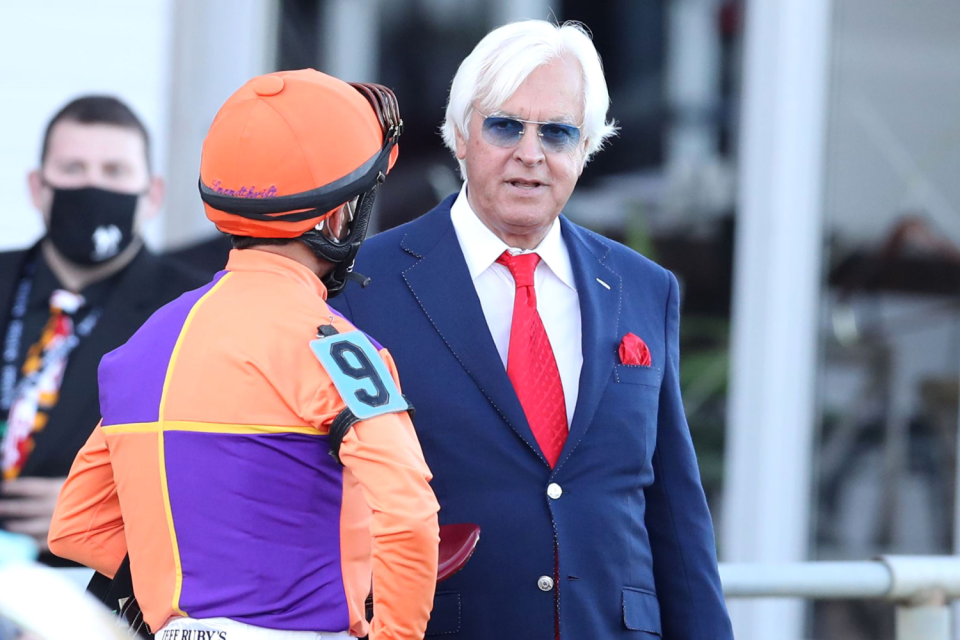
(132, 427)
(178, 583)
(206, 427)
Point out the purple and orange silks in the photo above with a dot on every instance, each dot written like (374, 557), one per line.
(211, 468)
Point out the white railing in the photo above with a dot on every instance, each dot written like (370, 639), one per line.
(920, 586)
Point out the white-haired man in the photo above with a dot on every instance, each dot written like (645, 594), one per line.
(543, 362)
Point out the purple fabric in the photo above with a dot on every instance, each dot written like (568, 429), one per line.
(131, 377)
(257, 518)
(369, 337)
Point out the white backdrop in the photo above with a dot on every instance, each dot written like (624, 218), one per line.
(55, 50)
(173, 61)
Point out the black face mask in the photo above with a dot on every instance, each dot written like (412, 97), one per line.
(90, 226)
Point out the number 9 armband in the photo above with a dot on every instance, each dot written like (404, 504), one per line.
(361, 378)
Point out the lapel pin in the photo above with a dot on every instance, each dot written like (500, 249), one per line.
(603, 283)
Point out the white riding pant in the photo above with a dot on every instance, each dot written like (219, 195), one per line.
(226, 629)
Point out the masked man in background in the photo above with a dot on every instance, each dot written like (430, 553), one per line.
(80, 292)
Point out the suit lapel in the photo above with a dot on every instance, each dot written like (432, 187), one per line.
(11, 266)
(124, 310)
(600, 317)
(441, 284)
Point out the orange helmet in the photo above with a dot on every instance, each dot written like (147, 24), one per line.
(289, 149)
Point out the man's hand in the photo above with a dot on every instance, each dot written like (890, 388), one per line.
(26, 506)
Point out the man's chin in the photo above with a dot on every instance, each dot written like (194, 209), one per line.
(526, 224)
(528, 214)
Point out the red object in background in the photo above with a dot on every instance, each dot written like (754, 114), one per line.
(457, 544)
(731, 18)
(634, 351)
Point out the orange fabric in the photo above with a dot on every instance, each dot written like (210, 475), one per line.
(131, 455)
(87, 519)
(356, 549)
(365, 453)
(401, 571)
(243, 358)
(282, 134)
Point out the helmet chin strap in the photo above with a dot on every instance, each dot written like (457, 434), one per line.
(343, 254)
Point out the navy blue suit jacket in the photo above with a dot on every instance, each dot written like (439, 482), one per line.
(633, 535)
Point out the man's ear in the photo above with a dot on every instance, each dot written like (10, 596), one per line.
(35, 184)
(583, 155)
(40, 200)
(461, 143)
(150, 203)
(156, 193)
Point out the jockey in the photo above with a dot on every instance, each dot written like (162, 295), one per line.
(255, 458)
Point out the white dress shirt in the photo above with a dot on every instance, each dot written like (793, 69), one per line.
(557, 299)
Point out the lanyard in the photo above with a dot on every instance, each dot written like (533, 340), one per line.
(14, 337)
(13, 340)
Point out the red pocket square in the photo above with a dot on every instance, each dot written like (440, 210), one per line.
(633, 350)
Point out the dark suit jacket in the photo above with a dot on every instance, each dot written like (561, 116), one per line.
(145, 285)
(633, 535)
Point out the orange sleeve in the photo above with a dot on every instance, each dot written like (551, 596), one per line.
(384, 455)
(87, 526)
(391, 367)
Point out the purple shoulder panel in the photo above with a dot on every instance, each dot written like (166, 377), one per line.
(131, 376)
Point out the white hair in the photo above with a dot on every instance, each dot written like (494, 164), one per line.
(506, 56)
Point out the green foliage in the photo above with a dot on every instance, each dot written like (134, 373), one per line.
(704, 374)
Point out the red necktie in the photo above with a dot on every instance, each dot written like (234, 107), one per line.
(531, 366)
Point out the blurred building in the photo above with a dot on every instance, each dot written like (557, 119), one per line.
(795, 162)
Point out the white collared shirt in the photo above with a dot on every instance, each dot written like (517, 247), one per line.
(557, 299)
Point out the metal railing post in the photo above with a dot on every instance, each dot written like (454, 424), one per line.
(921, 587)
(923, 621)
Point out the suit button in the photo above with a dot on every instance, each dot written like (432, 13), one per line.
(545, 583)
(554, 490)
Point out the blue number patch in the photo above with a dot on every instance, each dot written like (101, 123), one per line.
(358, 373)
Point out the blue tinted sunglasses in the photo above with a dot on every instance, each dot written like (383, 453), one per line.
(504, 131)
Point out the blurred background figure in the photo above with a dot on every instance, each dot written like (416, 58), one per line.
(78, 293)
(794, 162)
(63, 612)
